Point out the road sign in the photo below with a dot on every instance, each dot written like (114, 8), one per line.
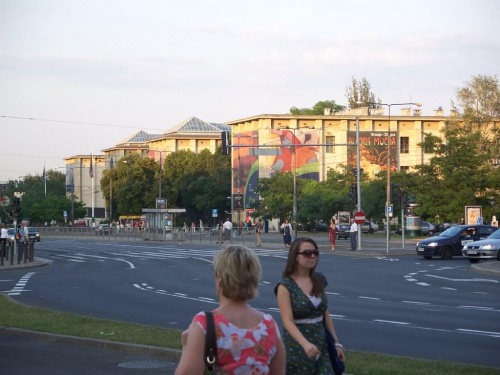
(215, 212)
(4, 200)
(359, 217)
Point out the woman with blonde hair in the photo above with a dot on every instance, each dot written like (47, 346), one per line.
(248, 341)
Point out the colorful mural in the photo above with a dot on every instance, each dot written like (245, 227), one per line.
(245, 167)
(306, 163)
(373, 151)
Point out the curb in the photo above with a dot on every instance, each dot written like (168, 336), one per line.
(173, 355)
(37, 262)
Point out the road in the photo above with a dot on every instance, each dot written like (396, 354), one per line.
(392, 305)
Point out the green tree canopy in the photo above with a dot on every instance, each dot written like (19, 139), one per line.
(359, 94)
(318, 108)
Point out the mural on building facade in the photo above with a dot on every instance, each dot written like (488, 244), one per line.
(373, 151)
(245, 167)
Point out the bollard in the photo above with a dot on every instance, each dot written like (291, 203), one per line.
(11, 254)
(32, 251)
(26, 250)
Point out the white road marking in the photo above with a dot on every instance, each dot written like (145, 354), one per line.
(19, 288)
(483, 333)
(416, 303)
(373, 298)
(391, 322)
(466, 280)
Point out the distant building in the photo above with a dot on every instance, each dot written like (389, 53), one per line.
(192, 134)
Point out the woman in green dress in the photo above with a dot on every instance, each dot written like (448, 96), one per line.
(304, 311)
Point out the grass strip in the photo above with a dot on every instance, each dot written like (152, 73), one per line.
(13, 314)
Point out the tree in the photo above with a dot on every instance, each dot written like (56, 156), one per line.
(461, 173)
(359, 94)
(318, 108)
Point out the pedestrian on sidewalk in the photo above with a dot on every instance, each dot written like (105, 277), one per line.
(258, 229)
(354, 235)
(332, 232)
(286, 229)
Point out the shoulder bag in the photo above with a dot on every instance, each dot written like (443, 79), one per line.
(210, 356)
(337, 364)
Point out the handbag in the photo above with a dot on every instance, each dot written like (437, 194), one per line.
(337, 364)
(210, 357)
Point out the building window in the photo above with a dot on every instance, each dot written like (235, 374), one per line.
(404, 145)
(330, 148)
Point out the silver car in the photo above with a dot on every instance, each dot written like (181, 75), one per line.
(369, 227)
(488, 248)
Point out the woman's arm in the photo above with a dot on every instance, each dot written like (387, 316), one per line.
(330, 327)
(278, 363)
(192, 361)
(285, 306)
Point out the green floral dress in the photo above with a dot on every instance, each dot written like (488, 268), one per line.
(297, 362)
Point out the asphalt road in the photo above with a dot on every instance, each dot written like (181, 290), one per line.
(400, 305)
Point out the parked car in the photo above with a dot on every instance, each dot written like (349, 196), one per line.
(452, 240)
(11, 235)
(103, 229)
(484, 249)
(428, 229)
(369, 227)
(343, 231)
(33, 234)
(321, 226)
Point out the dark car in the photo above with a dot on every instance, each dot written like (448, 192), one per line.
(11, 235)
(452, 240)
(321, 226)
(343, 231)
(33, 234)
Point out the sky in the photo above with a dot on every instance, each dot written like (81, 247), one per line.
(82, 75)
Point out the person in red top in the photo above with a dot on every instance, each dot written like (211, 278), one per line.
(332, 233)
(248, 341)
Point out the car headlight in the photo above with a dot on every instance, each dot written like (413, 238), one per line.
(488, 247)
(432, 244)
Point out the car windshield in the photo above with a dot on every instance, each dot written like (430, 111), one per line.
(31, 230)
(495, 235)
(451, 232)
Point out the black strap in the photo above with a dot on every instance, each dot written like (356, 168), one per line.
(210, 357)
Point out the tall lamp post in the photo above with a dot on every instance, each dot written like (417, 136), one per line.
(388, 192)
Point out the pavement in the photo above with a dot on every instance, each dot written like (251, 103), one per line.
(46, 353)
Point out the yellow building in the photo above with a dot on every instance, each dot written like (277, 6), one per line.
(311, 145)
(192, 134)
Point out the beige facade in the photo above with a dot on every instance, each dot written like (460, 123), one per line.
(192, 134)
(311, 145)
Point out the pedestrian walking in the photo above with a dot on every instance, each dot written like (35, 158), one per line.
(354, 235)
(228, 227)
(286, 230)
(248, 341)
(258, 229)
(304, 312)
(332, 233)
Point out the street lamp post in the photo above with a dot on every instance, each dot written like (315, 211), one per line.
(388, 187)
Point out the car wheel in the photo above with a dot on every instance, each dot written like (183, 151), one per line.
(498, 255)
(427, 257)
(430, 233)
(446, 253)
(371, 231)
(473, 260)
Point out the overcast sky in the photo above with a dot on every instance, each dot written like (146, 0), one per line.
(150, 64)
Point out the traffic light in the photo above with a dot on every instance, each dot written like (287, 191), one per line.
(225, 143)
(353, 194)
(17, 207)
(395, 193)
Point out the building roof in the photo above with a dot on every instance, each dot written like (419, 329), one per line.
(194, 124)
(140, 137)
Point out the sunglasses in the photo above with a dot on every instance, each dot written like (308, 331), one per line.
(309, 253)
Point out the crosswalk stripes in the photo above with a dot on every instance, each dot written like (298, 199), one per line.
(164, 253)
